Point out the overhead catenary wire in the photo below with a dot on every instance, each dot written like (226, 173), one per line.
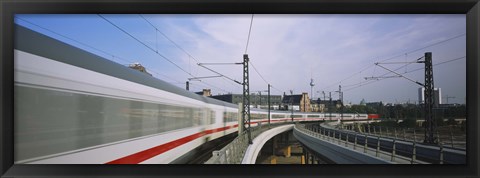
(362, 83)
(334, 84)
(164, 35)
(246, 49)
(250, 30)
(167, 59)
(258, 72)
(440, 63)
(179, 47)
(220, 74)
(405, 53)
(107, 53)
(373, 81)
(79, 42)
(418, 49)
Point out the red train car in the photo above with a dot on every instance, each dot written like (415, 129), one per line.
(373, 116)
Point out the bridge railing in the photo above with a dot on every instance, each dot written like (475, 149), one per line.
(234, 152)
(399, 151)
(407, 134)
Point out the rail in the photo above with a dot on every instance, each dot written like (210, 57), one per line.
(392, 149)
(234, 152)
(407, 134)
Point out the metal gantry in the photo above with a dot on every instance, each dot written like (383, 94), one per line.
(340, 96)
(430, 126)
(246, 99)
(429, 104)
(268, 105)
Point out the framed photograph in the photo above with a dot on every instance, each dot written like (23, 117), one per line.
(239, 88)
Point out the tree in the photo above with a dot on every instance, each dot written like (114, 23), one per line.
(362, 102)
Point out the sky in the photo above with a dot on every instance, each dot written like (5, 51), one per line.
(286, 50)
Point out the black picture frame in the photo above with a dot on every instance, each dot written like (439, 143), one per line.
(10, 7)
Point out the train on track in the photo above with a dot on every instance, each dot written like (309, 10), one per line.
(74, 107)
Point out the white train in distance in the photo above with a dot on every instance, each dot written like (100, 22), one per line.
(73, 107)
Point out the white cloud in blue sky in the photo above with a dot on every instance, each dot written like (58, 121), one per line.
(286, 49)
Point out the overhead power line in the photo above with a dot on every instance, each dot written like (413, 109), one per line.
(258, 73)
(248, 39)
(114, 56)
(440, 63)
(163, 34)
(373, 81)
(79, 42)
(146, 45)
(400, 75)
(246, 48)
(202, 65)
(334, 84)
(276, 89)
(185, 51)
(107, 53)
(434, 44)
(415, 50)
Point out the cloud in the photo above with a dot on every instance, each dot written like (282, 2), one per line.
(288, 50)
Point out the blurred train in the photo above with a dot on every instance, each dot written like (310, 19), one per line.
(73, 107)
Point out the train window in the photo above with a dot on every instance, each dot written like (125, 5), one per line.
(278, 116)
(230, 116)
(212, 117)
(313, 116)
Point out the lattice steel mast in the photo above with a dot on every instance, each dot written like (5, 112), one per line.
(246, 99)
(430, 126)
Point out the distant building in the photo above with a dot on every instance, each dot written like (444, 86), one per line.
(139, 67)
(297, 102)
(323, 105)
(205, 92)
(437, 93)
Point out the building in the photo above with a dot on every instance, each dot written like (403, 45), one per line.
(205, 92)
(323, 105)
(297, 102)
(257, 101)
(437, 93)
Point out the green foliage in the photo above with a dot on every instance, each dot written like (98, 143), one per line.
(408, 123)
(361, 109)
(400, 112)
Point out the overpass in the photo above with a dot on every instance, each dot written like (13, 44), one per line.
(333, 142)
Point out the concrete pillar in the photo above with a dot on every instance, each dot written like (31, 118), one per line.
(287, 151)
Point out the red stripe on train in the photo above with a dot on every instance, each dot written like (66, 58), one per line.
(152, 152)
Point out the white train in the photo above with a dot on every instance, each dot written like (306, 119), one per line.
(73, 107)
